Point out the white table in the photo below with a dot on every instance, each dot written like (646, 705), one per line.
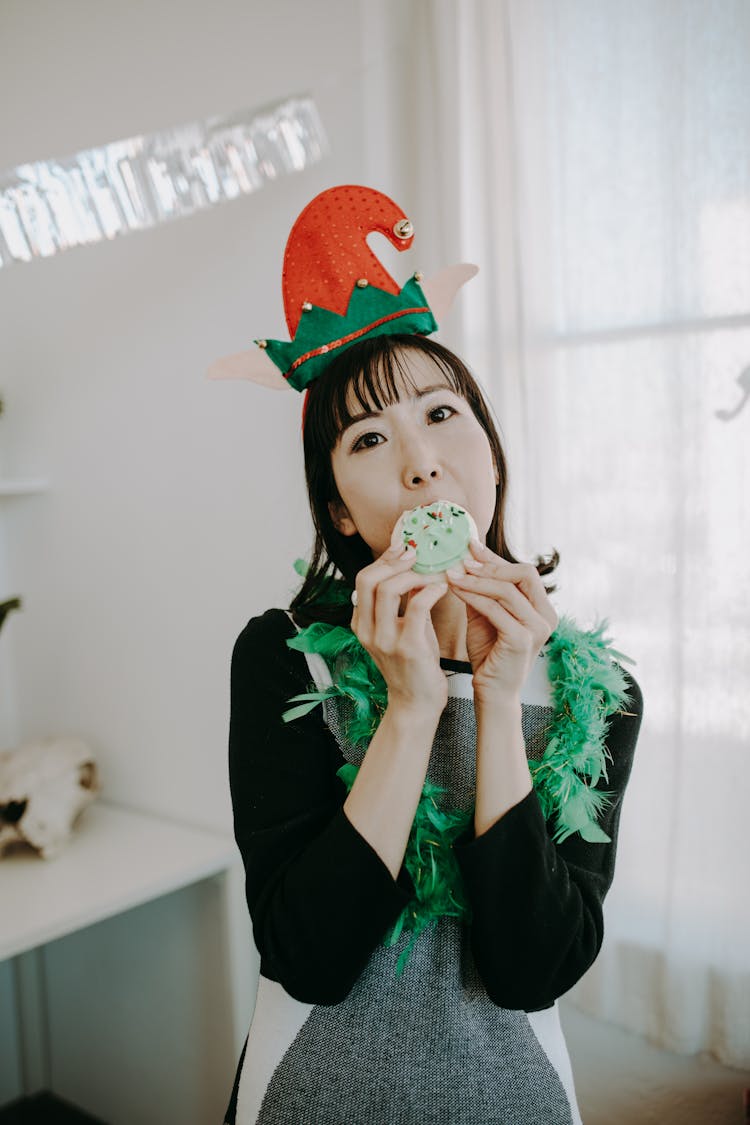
(116, 859)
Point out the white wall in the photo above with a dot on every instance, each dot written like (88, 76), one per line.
(142, 563)
(146, 558)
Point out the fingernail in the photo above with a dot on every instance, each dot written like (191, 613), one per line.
(409, 553)
(454, 572)
(473, 564)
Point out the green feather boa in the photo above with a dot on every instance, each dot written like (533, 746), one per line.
(587, 688)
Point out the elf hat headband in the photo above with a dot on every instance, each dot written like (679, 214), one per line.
(336, 292)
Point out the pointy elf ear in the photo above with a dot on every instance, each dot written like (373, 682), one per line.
(441, 289)
(254, 365)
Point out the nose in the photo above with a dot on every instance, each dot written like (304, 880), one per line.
(421, 463)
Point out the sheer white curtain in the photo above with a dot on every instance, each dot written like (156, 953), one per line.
(593, 157)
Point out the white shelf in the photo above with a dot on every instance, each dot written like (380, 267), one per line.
(22, 487)
(116, 859)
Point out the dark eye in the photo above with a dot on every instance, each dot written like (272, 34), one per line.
(437, 409)
(361, 442)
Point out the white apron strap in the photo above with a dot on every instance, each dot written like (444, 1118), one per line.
(315, 662)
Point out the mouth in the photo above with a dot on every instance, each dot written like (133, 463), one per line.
(441, 498)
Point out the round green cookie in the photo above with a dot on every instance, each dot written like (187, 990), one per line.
(440, 532)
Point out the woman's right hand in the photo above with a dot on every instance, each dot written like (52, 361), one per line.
(405, 649)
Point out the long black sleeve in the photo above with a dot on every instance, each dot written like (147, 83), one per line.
(319, 896)
(537, 906)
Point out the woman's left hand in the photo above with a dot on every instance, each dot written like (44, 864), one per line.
(509, 619)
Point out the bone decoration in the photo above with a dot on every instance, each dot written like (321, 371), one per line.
(44, 787)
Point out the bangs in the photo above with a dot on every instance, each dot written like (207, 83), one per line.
(374, 373)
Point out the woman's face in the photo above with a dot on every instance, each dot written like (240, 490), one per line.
(414, 452)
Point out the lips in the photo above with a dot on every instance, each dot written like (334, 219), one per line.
(437, 499)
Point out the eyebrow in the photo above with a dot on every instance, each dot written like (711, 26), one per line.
(414, 398)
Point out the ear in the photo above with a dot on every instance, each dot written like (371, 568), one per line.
(441, 289)
(253, 365)
(342, 521)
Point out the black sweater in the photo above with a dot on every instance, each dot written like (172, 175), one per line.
(321, 899)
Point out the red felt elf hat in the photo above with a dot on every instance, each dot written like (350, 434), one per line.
(336, 292)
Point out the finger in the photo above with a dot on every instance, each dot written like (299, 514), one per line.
(506, 592)
(367, 581)
(388, 597)
(501, 618)
(524, 575)
(492, 562)
(396, 546)
(417, 616)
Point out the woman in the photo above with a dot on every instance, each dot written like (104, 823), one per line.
(380, 1002)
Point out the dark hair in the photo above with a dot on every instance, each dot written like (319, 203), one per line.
(370, 367)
